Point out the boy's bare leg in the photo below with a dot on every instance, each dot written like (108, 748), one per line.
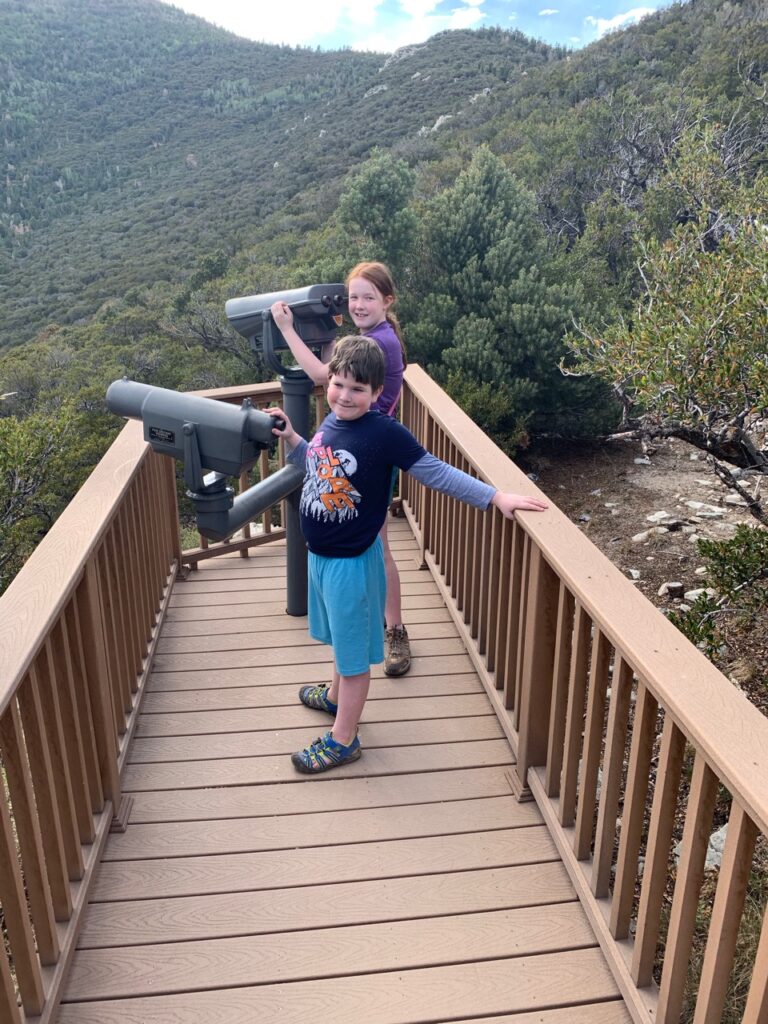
(349, 693)
(393, 611)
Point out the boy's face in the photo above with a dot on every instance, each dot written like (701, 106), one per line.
(348, 398)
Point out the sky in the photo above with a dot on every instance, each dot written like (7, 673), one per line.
(386, 25)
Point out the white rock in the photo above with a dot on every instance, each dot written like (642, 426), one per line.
(701, 570)
(715, 849)
(692, 595)
(735, 499)
(642, 462)
(634, 574)
(704, 510)
(658, 517)
(640, 538)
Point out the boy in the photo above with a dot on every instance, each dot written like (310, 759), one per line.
(343, 505)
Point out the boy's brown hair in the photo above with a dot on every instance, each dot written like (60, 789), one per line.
(360, 358)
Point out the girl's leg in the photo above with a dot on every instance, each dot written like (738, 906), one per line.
(393, 612)
(397, 647)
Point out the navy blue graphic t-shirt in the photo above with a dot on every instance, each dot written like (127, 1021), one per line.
(346, 488)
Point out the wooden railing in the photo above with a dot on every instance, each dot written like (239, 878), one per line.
(77, 632)
(624, 732)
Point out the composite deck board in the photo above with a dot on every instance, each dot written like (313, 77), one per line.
(411, 886)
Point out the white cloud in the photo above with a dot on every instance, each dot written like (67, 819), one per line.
(547, 11)
(295, 22)
(418, 8)
(604, 25)
(419, 29)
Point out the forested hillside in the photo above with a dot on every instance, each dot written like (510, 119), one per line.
(138, 139)
(533, 204)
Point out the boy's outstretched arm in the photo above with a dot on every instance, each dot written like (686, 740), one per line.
(314, 368)
(441, 476)
(507, 503)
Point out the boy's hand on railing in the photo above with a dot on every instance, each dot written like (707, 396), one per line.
(282, 426)
(507, 503)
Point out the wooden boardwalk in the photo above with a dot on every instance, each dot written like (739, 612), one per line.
(408, 887)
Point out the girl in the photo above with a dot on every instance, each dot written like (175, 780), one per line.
(371, 292)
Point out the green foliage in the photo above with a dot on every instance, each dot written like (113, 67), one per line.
(34, 455)
(374, 211)
(693, 355)
(738, 573)
(488, 308)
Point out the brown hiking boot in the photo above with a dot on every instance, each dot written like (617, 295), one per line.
(397, 651)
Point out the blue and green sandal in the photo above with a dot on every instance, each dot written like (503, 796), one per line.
(325, 753)
(316, 697)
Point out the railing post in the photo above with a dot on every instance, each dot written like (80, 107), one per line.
(538, 653)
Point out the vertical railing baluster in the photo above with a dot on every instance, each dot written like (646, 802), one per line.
(84, 710)
(99, 688)
(560, 673)
(17, 923)
(593, 735)
(574, 719)
(726, 916)
(117, 674)
(677, 951)
(9, 1009)
(63, 683)
(505, 532)
(536, 685)
(756, 1009)
(513, 693)
(489, 586)
(613, 764)
(20, 789)
(657, 853)
(45, 796)
(638, 781)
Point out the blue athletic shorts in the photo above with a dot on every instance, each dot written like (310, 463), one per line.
(346, 607)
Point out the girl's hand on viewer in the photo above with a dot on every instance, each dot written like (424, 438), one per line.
(282, 314)
(507, 503)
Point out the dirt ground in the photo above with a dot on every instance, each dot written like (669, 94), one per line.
(609, 491)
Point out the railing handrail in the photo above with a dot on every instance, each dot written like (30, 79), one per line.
(35, 597)
(721, 722)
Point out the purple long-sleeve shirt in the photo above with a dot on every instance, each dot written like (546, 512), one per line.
(389, 343)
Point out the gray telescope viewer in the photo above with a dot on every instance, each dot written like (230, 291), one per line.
(317, 314)
(206, 434)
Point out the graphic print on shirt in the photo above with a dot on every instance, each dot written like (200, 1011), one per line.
(327, 494)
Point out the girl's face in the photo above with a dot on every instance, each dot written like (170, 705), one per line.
(367, 306)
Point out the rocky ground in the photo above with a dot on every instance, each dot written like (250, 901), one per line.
(645, 513)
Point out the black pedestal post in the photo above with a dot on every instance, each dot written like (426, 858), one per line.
(296, 391)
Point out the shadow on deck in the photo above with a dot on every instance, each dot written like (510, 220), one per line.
(409, 886)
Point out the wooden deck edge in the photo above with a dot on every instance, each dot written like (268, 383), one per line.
(641, 1003)
(127, 737)
(55, 977)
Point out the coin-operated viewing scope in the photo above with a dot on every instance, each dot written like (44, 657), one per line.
(204, 433)
(317, 314)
